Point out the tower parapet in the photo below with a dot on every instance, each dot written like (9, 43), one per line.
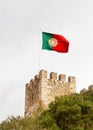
(42, 90)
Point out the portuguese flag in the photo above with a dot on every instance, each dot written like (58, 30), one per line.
(54, 42)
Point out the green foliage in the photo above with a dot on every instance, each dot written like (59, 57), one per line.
(66, 112)
(46, 121)
(72, 112)
(20, 123)
(88, 95)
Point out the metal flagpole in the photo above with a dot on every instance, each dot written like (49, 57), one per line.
(40, 49)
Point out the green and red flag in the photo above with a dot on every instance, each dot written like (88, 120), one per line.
(54, 42)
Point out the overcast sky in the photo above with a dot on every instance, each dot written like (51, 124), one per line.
(21, 57)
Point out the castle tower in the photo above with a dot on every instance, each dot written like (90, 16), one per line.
(42, 90)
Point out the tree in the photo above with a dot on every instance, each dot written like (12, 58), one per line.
(70, 112)
(66, 112)
(20, 123)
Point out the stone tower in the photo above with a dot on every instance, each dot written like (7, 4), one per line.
(41, 90)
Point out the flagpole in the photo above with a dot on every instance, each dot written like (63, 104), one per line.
(40, 49)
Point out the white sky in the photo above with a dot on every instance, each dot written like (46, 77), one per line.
(21, 24)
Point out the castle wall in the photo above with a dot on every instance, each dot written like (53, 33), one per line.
(42, 90)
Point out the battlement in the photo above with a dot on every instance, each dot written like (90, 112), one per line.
(43, 88)
(53, 76)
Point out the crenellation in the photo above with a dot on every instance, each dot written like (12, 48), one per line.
(62, 77)
(43, 74)
(32, 81)
(71, 79)
(42, 90)
(53, 75)
(36, 77)
(27, 85)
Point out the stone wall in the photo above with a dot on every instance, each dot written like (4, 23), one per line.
(42, 90)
